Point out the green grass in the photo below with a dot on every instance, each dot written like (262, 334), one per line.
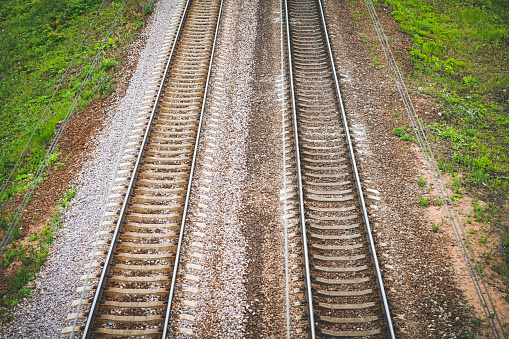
(460, 61)
(402, 132)
(424, 202)
(459, 56)
(406, 137)
(399, 131)
(38, 40)
(478, 211)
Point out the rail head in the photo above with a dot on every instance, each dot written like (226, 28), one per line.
(354, 168)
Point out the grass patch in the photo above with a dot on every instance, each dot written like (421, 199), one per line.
(458, 53)
(459, 57)
(399, 131)
(406, 137)
(39, 40)
(31, 257)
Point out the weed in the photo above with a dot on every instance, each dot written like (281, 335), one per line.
(439, 202)
(424, 202)
(434, 228)
(469, 221)
(473, 231)
(31, 257)
(406, 137)
(456, 197)
(470, 81)
(502, 268)
(8, 317)
(148, 7)
(484, 238)
(420, 181)
(445, 165)
(53, 157)
(470, 132)
(4, 220)
(478, 211)
(457, 184)
(364, 38)
(107, 64)
(487, 255)
(399, 131)
(33, 237)
(505, 243)
(476, 321)
(66, 199)
(25, 292)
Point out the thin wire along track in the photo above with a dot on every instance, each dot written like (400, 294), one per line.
(346, 298)
(133, 297)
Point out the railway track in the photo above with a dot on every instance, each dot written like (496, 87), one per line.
(147, 211)
(345, 290)
(130, 290)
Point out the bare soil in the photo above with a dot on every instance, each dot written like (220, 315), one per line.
(421, 283)
(484, 240)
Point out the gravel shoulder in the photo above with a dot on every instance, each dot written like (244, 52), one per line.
(233, 278)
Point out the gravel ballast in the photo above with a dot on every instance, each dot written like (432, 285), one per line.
(232, 268)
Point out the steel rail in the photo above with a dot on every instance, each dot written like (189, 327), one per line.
(357, 178)
(312, 330)
(95, 304)
(186, 205)
(283, 139)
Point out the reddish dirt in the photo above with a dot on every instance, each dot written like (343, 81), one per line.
(484, 240)
(76, 143)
